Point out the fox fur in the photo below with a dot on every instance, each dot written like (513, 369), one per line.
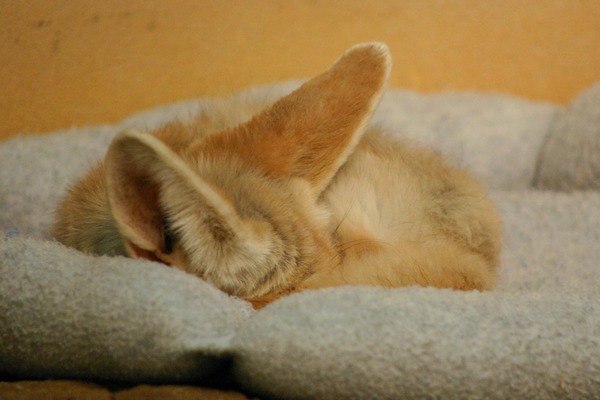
(263, 199)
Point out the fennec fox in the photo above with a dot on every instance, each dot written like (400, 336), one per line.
(301, 194)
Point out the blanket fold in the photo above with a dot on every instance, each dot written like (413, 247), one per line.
(67, 315)
(377, 343)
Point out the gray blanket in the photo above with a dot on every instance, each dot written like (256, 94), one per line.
(537, 336)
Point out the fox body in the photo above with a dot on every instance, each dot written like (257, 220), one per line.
(263, 198)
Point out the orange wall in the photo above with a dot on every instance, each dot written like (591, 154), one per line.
(74, 62)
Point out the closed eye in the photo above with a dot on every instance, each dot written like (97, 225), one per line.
(168, 238)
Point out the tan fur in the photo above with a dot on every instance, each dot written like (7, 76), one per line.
(266, 199)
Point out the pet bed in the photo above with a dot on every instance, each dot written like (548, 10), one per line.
(64, 314)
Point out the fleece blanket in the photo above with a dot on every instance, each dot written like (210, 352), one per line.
(64, 314)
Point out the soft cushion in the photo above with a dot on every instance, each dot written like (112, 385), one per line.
(537, 335)
(570, 159)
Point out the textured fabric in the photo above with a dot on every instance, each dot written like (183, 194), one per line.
(571, 157)
(65, 314)
(497, 137)
(375, 343)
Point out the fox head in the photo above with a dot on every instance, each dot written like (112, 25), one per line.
(240, 208)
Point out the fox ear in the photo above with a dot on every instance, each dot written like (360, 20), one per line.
(140, 172)
(311, 132)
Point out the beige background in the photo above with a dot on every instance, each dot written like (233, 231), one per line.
(75, 62)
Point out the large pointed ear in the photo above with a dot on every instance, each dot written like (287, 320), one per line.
(311, 132)
(140, 172)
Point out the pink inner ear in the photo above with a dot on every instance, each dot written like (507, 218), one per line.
(137, 252)
(133, 195)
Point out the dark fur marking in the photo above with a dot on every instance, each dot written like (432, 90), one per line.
(220, 232)
(168, 238)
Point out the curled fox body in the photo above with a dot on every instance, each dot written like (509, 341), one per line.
(265, 198)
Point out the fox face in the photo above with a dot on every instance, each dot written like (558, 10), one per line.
(296, 197)
(214, 215)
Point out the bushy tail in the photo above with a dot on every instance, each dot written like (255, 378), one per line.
(439, 263)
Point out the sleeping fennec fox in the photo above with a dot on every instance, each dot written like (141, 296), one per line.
(263, 199)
